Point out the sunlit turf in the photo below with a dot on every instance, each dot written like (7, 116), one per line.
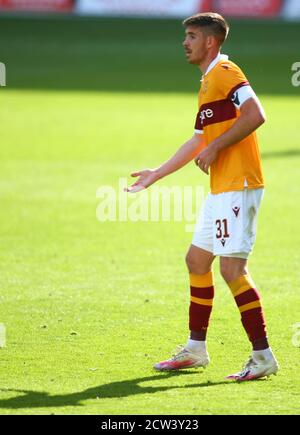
(90, 306)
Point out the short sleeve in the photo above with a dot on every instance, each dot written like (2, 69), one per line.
(230, 79)
(241, 95)
(198, 124)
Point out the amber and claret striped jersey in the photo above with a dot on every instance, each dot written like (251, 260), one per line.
(239, 165)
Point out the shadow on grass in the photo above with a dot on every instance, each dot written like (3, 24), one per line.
(281, 154)
(35, 399)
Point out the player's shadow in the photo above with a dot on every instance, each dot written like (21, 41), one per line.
(36, 399)
(280, 154)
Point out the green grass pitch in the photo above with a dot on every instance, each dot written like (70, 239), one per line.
(90, 306)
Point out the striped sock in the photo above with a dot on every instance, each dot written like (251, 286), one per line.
(249, 303)
(202, 294)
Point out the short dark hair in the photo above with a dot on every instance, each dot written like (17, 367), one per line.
(213, 23)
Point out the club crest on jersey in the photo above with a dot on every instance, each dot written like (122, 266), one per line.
(236, 211)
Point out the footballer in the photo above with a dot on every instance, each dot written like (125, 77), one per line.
(224, 145)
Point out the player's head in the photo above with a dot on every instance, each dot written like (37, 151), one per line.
(205, 33)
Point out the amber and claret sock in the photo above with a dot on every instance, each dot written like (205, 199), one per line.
(248, 301)
(202, 295)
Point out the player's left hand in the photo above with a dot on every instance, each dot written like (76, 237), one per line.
(206, 158)
(146, 178)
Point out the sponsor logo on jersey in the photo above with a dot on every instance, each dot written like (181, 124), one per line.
(223, 241)
(206, 114)
(215, 112)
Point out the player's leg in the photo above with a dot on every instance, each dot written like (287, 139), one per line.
(235, 236)
(262, 362)
(194, 353)
(236, 274)
(199, 264)
(199, 261)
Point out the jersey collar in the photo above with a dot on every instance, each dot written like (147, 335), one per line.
(214, 62)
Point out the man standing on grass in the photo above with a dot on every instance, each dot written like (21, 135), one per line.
(224, 144)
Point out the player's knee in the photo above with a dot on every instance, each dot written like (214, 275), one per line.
(226, 272)
(230, 272)
(189, 261)
(194, 265)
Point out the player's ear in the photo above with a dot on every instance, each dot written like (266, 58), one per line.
(210, 41)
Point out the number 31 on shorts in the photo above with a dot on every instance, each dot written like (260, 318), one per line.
(222, 229)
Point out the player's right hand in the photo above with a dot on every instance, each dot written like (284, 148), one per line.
(146, 178)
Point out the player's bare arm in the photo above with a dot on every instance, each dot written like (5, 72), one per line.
(184, 155)
(252, 116)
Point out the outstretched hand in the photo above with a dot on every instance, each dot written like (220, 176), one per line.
(146, 178)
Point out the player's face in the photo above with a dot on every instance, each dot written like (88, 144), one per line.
(195, 45)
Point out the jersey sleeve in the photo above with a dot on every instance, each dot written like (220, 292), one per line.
(230, 80)
(198, 124)
(241, 95)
